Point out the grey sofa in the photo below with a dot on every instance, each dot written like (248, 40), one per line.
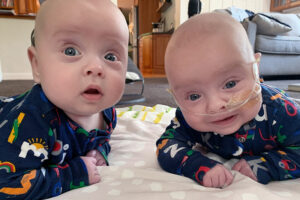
(280, 52)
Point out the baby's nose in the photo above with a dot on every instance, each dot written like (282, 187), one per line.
(216, 104)
(94, 69)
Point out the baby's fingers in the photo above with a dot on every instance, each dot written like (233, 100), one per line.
(207, 181)
(217, 180)
(248, 172)
(237, 166)
(224, 179)
(228, 179)
(94, 178)
(101, 162)
(91, 153)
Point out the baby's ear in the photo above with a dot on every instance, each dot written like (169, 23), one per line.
(257, 58)
(31, 51)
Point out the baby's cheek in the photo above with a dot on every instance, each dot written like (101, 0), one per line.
(195, 122)
(237, 99)
(251, 108)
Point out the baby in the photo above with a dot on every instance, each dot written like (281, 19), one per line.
(213, 76)
(54, 136)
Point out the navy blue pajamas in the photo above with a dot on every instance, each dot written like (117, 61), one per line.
(41, 147)
(270, 143)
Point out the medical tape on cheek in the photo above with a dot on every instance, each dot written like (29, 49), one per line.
(242, 98)
(238, 99)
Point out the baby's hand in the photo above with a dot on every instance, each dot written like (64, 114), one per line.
(90, 163)
(217, 177)
(244, 168)
(99, 158)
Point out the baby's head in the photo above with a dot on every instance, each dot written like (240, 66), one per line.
(80, 54)
(211, 68)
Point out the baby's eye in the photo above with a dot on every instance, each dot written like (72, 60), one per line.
(230, 84)
(71, 51)
(111, 57)
(194, 97)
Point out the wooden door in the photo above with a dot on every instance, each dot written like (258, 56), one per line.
(159, 42)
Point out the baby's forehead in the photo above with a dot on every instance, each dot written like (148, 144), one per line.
(205, 26)
(212, 37)
(59, 14)
(63, 9)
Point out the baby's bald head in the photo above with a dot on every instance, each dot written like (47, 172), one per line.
(52, 11)
(204, 30)
(205, 26)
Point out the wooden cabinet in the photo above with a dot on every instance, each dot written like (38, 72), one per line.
(279, 5)
(16, 8)
(146, 15)
(152, 49)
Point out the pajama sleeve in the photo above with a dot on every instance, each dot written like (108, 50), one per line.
(283, 160)
(176, 155)
(26, 142)
(104, 146)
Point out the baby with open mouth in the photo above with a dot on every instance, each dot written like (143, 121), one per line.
(58, 133)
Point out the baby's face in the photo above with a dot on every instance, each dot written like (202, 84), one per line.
(81, 55)
(206, 78)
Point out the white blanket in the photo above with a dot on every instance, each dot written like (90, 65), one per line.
(134, 173)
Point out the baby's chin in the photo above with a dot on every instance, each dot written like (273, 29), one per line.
(226, 131)
(221, 130)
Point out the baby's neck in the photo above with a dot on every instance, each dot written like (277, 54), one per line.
(90, 122)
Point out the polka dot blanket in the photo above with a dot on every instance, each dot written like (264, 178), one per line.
(134, 173)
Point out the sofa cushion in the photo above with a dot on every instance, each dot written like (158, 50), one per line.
(268, 25)
(278, 44)
(237, 13)
(291, 19)
(274, 65)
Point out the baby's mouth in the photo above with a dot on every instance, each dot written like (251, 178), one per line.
(225, 120)
(92, 93)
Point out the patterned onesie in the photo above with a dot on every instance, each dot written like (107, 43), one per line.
(270, 143)
(41, 147)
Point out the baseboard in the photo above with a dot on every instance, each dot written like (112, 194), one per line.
(17, 76)
(294, 87)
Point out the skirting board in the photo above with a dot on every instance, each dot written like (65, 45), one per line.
(294, 87)
(17, 76)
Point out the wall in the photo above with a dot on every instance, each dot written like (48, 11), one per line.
(14, 40)
(168, 16)
(253, 5)
(179, 8)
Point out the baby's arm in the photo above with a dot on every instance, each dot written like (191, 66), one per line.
(278, 164)
(28, 147)
(98, 157)
(90, 163)
(175, 155)
(282, 161)
(93, 159)
(244, 168)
